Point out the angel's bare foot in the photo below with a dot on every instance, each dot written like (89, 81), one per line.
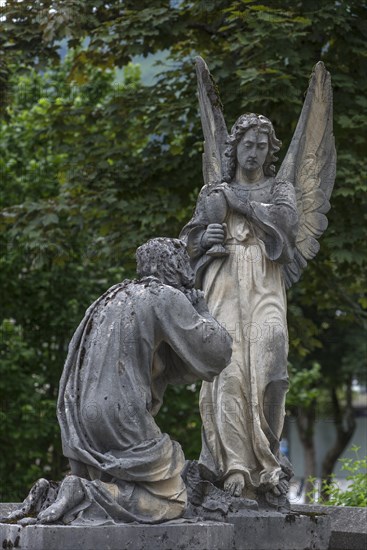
(234, 484)
(282, 488)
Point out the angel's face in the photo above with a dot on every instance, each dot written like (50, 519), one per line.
(252, 150)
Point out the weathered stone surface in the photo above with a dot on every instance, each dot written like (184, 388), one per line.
(348, 525)
(195, 536)
(276, 531)
(258, 532)
(246, 530)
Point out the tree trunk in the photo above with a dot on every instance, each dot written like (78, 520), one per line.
(345, 424)
(306, 427)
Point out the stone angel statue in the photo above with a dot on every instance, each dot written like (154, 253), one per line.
(251, 236)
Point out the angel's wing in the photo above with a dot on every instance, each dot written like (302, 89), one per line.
(213, 124)
(310, 165)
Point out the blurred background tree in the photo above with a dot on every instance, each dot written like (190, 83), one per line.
(94, 161)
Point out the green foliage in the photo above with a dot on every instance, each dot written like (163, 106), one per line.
(305, 385)
(356, 492)
(94, 168)
(29, 437)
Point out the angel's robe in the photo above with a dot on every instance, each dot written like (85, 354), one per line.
(133, 341)
(243, 409)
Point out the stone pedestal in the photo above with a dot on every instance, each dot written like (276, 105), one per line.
(190, 536)
(245, 530)
(275, 531)
(348, 525)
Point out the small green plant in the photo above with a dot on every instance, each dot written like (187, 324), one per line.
(356, 492)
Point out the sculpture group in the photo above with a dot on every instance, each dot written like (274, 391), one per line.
(252, 233)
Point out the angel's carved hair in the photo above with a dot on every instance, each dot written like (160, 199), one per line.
(241, 126)
(164, 258)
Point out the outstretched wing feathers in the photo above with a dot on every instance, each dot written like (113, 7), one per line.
(213, 124)
(310, 164)
(314, 132)
(295, 268)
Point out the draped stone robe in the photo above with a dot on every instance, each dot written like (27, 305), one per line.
(133, 341)
(242, 410)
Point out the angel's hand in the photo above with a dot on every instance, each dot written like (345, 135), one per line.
(239, 203)
(214, 188)
(214, 234)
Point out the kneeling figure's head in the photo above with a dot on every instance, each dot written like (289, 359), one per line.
(166, 259)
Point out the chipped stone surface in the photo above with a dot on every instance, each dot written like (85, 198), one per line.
(196, 536)
(249, 530)
(277, 531)
(348, 525)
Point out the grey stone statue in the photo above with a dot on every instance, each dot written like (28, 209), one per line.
(250, 237)
(134, 340)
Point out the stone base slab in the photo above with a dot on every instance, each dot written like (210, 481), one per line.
(245, 530)
(348, 525)
(193, 536)
(275, 531)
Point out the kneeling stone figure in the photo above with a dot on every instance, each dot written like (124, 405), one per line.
(134, 340)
